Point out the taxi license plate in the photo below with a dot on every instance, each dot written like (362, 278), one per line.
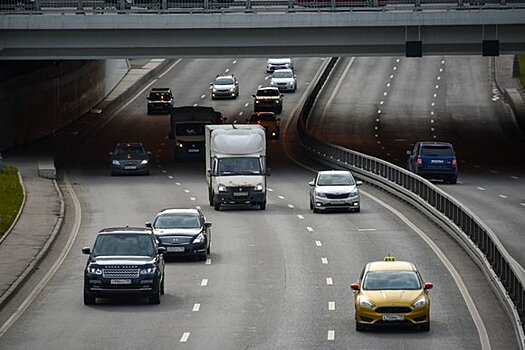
(393, 318)
(120, 281)
(193, 150)
(130, 167)
(175, 249)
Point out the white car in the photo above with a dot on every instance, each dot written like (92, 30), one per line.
(334, 189)
(224, 86)
(284, 80)
(278, 63)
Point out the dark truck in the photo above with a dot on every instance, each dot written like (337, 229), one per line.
(187, 130)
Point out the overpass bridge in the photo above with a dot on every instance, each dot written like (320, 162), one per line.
(120, 29)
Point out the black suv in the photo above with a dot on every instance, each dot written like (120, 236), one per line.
(129, 158)
(125, 261)
(160, 100)
(183, 232)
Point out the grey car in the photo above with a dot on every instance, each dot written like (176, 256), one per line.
(334, 189)
(284, 80)
(129, 158)
(224, 86)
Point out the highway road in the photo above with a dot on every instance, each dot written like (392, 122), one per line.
(275, 279)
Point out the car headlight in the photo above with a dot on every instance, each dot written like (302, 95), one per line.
(354, 193)
(420, 302)
(277, 101)
(272, 83)
(365, 303)
(222, 188)
(214, 89)
(144, 161)
(258, 187)
(94, 270)
(257, 101)
(116, 162)
(199, 239)
(148, 271)
(232, 89)
(320, 194)
(179, 144)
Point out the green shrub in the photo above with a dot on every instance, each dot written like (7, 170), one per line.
(521, 59)
(11, 197)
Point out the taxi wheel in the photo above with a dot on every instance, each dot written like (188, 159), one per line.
(359, 327)
(425, 327)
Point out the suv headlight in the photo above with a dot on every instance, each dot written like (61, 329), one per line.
(116, 162)
(420, 302)
(222, 188)
(144, 161)
(258, 187)
(148, 271)
(365, 303)
(199, 239)
(179, 144)
(94, 270)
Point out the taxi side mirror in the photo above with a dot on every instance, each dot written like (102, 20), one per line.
(355, 286)
(428, 285)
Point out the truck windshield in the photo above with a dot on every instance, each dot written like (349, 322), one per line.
(239, 166)
(189, 129)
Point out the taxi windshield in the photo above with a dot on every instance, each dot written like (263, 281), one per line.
(335, 180)
(391, 280)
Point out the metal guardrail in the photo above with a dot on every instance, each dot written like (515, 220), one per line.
(432, 201)
(199, 6)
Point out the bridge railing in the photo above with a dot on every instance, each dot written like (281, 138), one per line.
(199, 6)
(480, 242)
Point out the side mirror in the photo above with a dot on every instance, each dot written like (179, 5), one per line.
(86, 250)
(161, 250)
(359, 182)
(209, 172)
(253, 95)
(268, 171)
(355, 286)
(207, 224)
(211, 84)
(428, 285)
(148, 224)
(311, 183)
(282, 95)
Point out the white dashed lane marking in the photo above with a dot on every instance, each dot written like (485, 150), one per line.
(192, 198)
(515, 177)
(280, 197)
(196, 307)
(185, 337)
(290, 206)
(170, 177)
(300, 217)
(366, 229)
(186, 191)
(208, 261)
(522, 204)
(324, 260)
(329, 281)
(480, 188)
(177, 183)
(503, 196)
(331, 305)
(318, 243)
(198, 207)
(204, 282)
(310, 229)
(270, 189)
(203, 96)
(331, 335)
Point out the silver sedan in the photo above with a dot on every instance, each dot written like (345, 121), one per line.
(334, 189)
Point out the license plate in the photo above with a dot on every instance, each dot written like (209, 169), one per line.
(393, 318)
(193, 150)
(437, 161)
(338, 202)
(130, 167)
(175, 249)
(120, 282)
(240, 194)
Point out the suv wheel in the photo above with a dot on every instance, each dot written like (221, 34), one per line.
(89, 299)
(217, 206)
(162, 287)
(262, 205)
(155, 299)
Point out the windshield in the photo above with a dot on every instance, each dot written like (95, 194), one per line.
(268, 92)
(335, 180)
(436, 151)
(179, 220)
(159, 96)
(224, 81)
(391, 280)
(124, 245)
(239, 166)
(129, 152)
(189, 129)
(282, 74)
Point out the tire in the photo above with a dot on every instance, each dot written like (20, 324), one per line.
(316, 210)
(208, 251)
(311, 205)
(162, 290)
(155, 299)
(203, 257)
(262, 205)
(89, 299)
(359, 327)
(217, 206)
(453, 180)
(425, 327)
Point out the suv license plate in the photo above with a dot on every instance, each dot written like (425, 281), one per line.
(130, 167)
(393, 318)
(175, 249)
(120, 282)
(240, 194)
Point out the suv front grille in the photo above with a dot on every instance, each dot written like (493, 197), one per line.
(337, 196)
(120, 273)
(393, 310)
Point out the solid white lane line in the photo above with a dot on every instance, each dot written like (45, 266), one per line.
(331, 305)
(366, 229)
(185, 337)
(280, 197)
(324, 260)
(480, 188)
(196, 307)
(331, 335)
(318, 243)
(329, 281)
(310, 229)
(204, 282)
(503, 196)
(300, 217)
(270, 189)
(208, 261)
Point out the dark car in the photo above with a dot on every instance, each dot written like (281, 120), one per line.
(268, 99)
(125, 261)
(183, 232)
(160, 100)
(129, 158)
(268, 121)
(434, 160)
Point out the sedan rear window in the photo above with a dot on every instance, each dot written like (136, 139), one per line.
(224, 81)
(436, 151)
(391, 280)
(268, 92)
(167, 221)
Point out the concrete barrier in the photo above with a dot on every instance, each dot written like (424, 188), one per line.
(46, 169)
(515, 99)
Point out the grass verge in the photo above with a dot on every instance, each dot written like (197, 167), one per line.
(521, 59)
(11, 197)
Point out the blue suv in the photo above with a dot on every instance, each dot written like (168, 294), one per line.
(434, 160)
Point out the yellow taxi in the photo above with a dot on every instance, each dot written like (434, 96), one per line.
(268, 121)
(391, 292)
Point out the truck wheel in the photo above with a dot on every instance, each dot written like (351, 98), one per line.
(217, 206)
(89, 299)
(262, 205)
(210, 197)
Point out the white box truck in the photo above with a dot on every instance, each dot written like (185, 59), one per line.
(236, 165)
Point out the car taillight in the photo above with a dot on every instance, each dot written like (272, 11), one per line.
(419, 161)
(454, 162)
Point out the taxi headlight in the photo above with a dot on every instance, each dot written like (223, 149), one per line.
(232, 89)
(365, 303)
(95, 270)
(148, 271)
(214, 89)
(420, 302)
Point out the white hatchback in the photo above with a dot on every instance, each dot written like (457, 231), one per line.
(278, 63)
(284, 80)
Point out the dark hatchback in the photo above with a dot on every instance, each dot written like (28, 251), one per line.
(183, 232)
(434, 160)
(160, 100)
(125, 261)
(129, 158)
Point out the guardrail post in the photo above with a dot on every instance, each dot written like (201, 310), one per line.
(164, 5)
(333, 5)
(80, 6)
